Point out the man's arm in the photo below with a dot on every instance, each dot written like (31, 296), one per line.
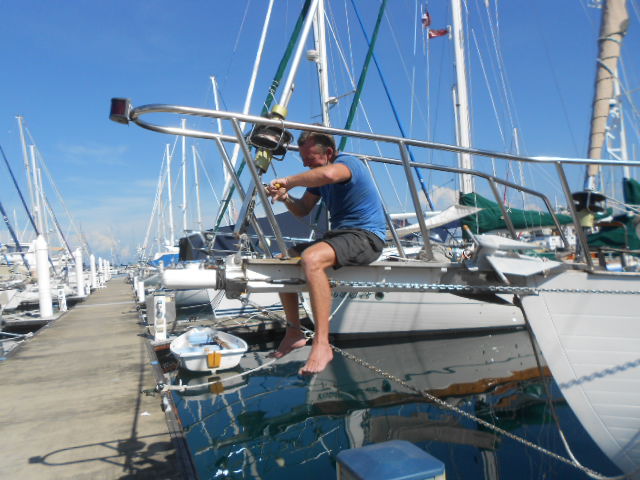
(300, 207)
(316, 177)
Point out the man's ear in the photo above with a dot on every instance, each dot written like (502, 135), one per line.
(330, 152)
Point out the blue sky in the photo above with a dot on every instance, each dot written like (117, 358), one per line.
(63, 61)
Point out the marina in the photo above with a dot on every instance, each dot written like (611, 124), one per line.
(275, 424)
(73, 402)
(322, 239)
(268, 421)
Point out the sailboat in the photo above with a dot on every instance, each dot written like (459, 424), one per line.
(395, 312)
(584, 316)
(592, 339)
(42, 272)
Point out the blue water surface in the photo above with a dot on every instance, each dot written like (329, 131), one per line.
(274, 424)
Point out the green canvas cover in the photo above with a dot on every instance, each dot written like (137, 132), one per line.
(618, 236)
(490, 217)
(631, 189)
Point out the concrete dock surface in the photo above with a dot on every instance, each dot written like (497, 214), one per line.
(71, 402)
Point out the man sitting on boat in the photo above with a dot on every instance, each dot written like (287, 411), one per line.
(357, 235)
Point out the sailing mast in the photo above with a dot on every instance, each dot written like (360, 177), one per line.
(228, 186)
(170, 197)
(615, 21)
(196, 179)
(27, 163)
(183, 207)
(319, 56)
(461, 97)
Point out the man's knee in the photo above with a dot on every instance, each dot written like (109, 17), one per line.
(316, 260)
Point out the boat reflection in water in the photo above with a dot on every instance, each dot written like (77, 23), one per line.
(276, 424)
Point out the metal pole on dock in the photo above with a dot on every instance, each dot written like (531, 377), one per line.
(44, 282)
(62, 299)
(140, 291)
(77, 256)
(159, 317)
(92, 266)
(101, 277)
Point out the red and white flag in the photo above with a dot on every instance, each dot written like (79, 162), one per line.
(426, 19)
(438, 33)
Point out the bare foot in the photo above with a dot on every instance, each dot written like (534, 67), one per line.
(293, 339)
(319, 358)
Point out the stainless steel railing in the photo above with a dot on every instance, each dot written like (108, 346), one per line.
(124, 112)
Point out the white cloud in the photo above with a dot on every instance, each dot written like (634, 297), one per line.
(93, 152)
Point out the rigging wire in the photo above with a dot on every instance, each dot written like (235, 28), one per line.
(395, 112)
(554, 76)
(239, 35)
(156, 201)
(351, 78)
(413, 72)
(43, 163)
(15, 183)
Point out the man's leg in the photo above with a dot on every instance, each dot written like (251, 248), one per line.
(315, 260)
(293, 337)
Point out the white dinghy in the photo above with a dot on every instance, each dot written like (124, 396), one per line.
(205, 349)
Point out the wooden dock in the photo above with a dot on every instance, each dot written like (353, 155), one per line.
(72, 406)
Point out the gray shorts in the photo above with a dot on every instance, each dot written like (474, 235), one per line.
(352, 246)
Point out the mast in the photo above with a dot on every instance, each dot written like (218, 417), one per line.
(183, 207)
(615, 20)
(216, 104)
(197, 185)
(170, 196)
(228, 180)
(289, 85)
(25, 157)
(36, 206)
(319, 56)
(462, 103)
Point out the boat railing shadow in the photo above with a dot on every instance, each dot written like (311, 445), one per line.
(602, 374)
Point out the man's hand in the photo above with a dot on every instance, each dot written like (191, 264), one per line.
(277, 190)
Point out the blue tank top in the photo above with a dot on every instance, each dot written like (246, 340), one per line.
(355, 203)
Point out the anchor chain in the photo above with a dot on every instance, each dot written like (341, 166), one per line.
(378, 371)
(454, 288)
(459, 411)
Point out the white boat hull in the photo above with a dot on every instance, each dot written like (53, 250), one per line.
(415, 312)
(207, 357)
(222, 306)
(591, 342)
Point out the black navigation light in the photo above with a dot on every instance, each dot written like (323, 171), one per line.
(120, 108)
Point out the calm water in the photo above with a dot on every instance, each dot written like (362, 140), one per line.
(273, 424)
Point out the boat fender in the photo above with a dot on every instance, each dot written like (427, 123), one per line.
(214, 359)
(216, 388)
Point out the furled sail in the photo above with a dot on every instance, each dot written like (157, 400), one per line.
(615, 21)
(490, 217)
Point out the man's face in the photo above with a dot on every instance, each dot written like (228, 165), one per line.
(314, 156)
